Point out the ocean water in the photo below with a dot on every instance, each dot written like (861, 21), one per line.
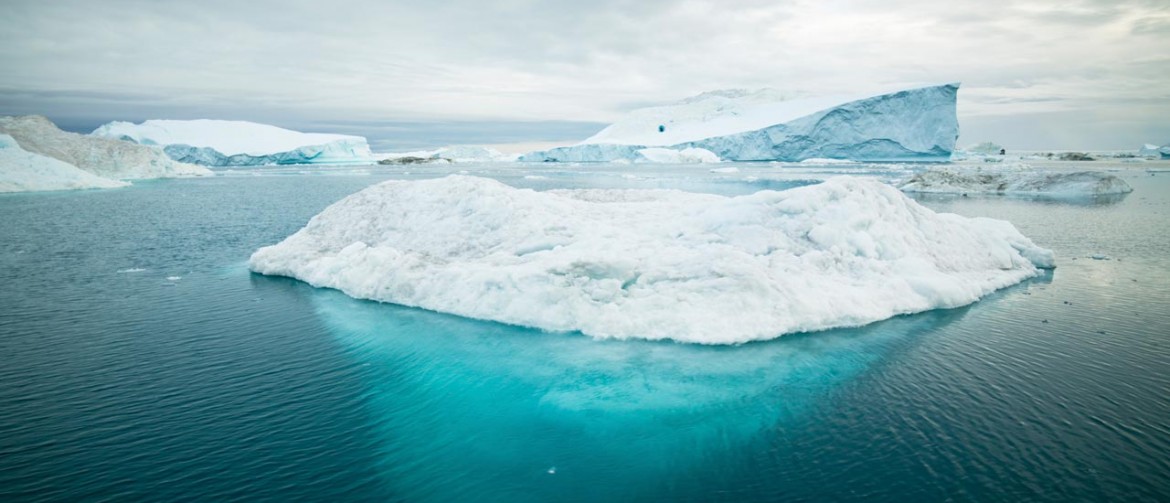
(140, 360)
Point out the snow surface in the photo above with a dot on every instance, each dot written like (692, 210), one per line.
(916, 124)
(654, 264)
(713, 113)
(239, 143)
(23, 171)
(1015, 179)
(100, 156)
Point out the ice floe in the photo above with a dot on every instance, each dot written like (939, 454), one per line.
(654, 264)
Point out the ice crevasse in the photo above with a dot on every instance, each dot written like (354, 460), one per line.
(654, 264)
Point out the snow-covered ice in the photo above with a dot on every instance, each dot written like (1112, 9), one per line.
(654, 264)
(103, 157)
(23, 171)
(239, 143)
(915, 124)
(1015, 179)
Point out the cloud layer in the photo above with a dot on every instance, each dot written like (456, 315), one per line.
(1087, 74)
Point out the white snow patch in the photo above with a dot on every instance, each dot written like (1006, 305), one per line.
(713, 113)
(654, 264)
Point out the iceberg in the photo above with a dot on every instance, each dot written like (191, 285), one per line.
(1155, 151)
(103, 157)
(239, 143)
(1016, 179)
(654, 264)
(22, 171)
(455, 153)
(909, 125)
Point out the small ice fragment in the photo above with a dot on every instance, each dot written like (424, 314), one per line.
(174, 278)
(130, 270)
(552, 471)
(1099, 257)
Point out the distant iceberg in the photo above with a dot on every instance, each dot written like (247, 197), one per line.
(239, 143)
(654, 264)
(910, 125)
(455, 153)
(1015, 179)
(23, 171)
(103, 157)
(1155, 151)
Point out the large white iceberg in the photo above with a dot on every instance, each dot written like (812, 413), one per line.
(654, 264)
(103, 157)
(22, 171)
(910, 125)
(239, 143)
(1015, 179)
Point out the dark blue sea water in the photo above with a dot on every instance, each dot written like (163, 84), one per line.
(141, 361)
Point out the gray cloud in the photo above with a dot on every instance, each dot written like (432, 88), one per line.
(506, 65)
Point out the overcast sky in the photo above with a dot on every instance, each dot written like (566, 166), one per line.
(1035, 74)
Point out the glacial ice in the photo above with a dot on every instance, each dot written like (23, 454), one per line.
(672, 156)
(1155, 151)
(1016, 178)
(239, 143)
(910, 125)
(103, 157)
(654, 264)
(24, 171)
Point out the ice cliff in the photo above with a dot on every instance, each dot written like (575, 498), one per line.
(654, 264)
(22, 171)
(239, 143)
(910, 125)
(1015, 179)
(103, 157)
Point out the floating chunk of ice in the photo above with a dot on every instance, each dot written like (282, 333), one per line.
(654, 264)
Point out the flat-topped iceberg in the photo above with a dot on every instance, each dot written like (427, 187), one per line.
(654, 264)
(23, 171)
(112, 159)
(1015, 179)
(239, 143)
(910, 125)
